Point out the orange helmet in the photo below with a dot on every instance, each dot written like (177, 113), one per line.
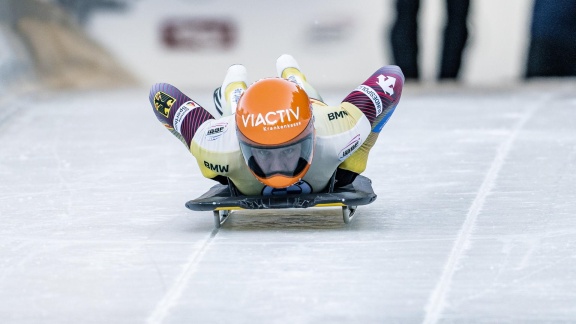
(276, 131)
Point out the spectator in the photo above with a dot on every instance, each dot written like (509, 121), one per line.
(404, 38)
(552, 51)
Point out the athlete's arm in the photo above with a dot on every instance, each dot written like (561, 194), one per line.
(378, 96)
(179, 114)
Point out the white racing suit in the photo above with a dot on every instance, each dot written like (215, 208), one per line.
(344, 134)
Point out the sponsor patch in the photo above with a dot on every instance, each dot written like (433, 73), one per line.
(218, 168)
(234, 98)
(387, 83)
(181, 113)
(215, 131)
(163, 102)
(349, 148)
(296, 80)
(283, 116)
(373, 95)
(337, 114)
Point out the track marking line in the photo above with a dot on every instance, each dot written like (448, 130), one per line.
(173, 294)
(437, 300)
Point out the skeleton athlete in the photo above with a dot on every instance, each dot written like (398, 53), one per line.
(277, 136)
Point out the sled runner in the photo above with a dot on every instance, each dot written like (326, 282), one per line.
(222, 199)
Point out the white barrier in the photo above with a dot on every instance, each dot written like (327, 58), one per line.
(338, 43)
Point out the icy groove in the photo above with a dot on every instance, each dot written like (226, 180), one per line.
(175, 292)
(437, 300)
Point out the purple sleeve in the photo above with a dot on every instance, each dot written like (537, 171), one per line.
(378, 95)
(180, 114)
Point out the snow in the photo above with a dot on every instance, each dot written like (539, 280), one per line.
(474, 220)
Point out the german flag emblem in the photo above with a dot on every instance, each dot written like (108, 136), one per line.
(163, 102)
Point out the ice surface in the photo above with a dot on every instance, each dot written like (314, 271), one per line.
(474, 222)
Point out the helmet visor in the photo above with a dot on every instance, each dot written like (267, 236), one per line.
(288, 160)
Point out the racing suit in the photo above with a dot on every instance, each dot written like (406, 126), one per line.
(344, 134)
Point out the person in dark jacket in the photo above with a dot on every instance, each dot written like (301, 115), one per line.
(552, 51)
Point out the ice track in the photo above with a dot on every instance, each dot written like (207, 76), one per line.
(475, 219)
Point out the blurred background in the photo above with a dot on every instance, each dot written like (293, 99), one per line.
(190, 43)
(475, 175)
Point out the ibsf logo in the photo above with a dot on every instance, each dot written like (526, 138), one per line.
(216, 130)
(387, 83)
(272, 118)
(349, 148)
